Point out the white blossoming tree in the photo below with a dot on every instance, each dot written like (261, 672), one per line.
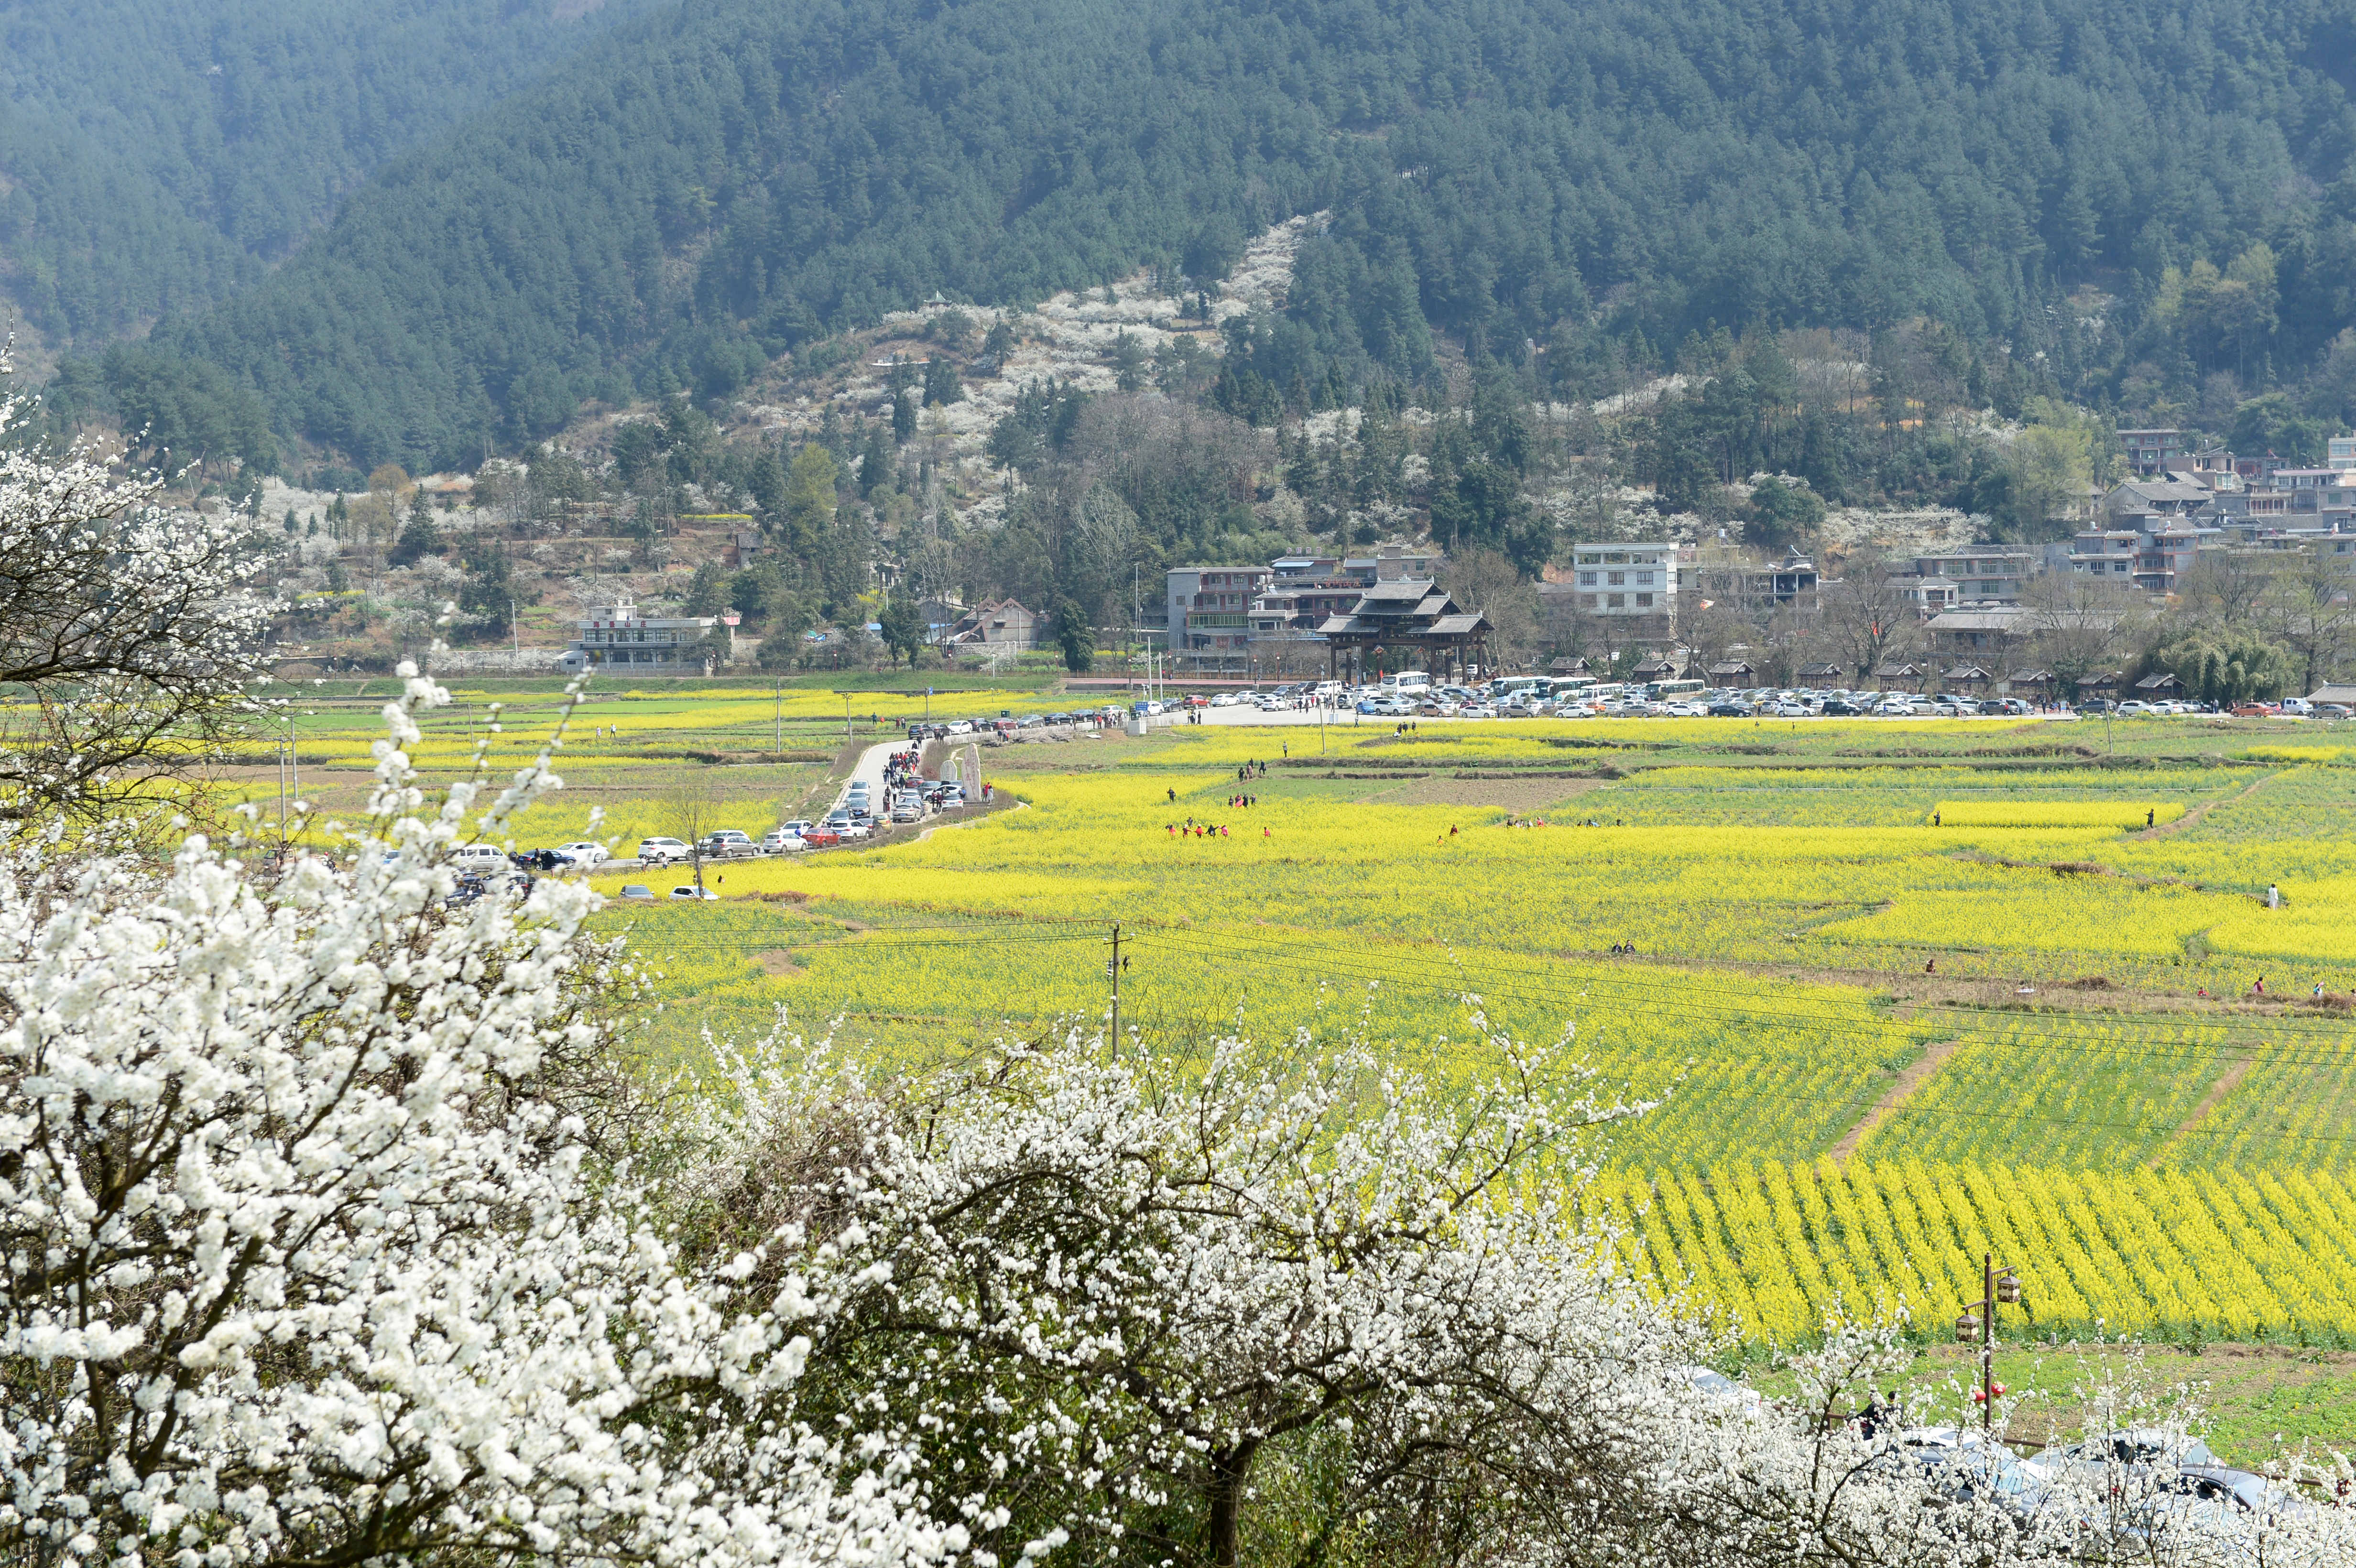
(1122, 1298)
(131, 625)
(312, 1256)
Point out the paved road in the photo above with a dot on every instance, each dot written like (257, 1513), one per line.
(869, 770)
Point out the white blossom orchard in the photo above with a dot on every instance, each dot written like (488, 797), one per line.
(309, 1258)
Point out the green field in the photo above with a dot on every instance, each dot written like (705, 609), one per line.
(1904, 993)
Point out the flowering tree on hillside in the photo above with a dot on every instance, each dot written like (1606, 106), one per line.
(129, 623)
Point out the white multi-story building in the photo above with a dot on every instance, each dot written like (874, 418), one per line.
(616, 634)
(1627, 580)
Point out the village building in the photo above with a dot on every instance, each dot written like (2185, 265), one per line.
(620, 635)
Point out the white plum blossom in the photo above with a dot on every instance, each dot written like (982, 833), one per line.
(321, 1245)
(131, 623)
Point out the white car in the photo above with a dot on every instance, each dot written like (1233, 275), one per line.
(584, 853)
(780, 841)
(1225, 699)
(662, 852)
(694, 893)
(479, 857)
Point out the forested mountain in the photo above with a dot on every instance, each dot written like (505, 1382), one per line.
(156, 154)
(723, 180)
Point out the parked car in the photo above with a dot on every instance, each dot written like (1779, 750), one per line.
(1729, 709)
(729, 844)
(2333, 711)
(1968, 1466)
(693, 893)
(781, 841)
(1225, 699)
(636, 891)
(478, 858)
(583, 852)
(662, 852)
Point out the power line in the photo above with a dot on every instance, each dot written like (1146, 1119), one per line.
(1621, 992)
(2136, 1039)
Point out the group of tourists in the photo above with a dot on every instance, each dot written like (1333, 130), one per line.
(1190, 829)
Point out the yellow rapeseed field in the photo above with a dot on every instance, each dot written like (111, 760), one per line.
(1900, 993)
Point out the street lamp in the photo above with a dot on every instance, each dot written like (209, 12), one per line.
(2000, 1286)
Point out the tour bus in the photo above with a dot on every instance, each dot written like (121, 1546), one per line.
(1512, 686)
(1407, 683)
(1673, 690)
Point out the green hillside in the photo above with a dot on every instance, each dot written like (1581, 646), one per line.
(153, 157)
(719, 182)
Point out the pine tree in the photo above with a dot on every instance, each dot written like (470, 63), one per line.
(875, 460)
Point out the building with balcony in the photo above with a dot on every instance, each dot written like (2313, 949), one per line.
(617, 635)
(1984, 575)
(1210, 610)
(1719, 575)
(2149, 450)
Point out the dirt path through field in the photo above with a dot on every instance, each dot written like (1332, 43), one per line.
(2203, 809)
(2227, 1082)
(1918, 1072)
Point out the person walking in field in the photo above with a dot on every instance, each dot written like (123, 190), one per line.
(2150, 813)
(1174, 796)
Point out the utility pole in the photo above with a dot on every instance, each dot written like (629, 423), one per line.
(778, 710)
(1113, 968)
(514, 634)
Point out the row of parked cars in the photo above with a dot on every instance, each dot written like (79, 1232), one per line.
(1009, 723)
(2145, 1485)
